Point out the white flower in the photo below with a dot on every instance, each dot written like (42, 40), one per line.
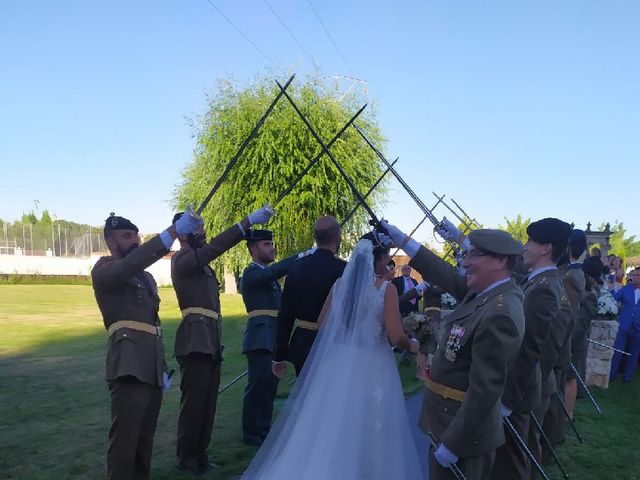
(607, 305)
(448, 301)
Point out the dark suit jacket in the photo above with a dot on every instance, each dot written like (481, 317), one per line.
(196, 285)
(406, 306)
(305, 290)
(630, 312)
(489, 328)
(124, 291)
(261, 291)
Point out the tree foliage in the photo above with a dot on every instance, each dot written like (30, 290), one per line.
(280, 151)
(517, 227)
(621, 245)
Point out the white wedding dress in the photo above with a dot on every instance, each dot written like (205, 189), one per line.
(346, 417)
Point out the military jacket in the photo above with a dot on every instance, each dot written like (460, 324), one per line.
(196, 285)
(478, 341)
(548, 307)
(124, 291)
(261, 291)
(573, 281)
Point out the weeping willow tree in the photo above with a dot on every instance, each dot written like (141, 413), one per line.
(274, 158)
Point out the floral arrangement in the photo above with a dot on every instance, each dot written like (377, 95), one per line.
(607, 305)
(423, 328)
(448, 301)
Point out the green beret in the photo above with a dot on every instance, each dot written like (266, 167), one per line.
(256, 235)
(550, 230)
(115, 222)
(495, 241)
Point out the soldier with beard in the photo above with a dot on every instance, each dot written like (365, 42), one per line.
(135, 368)
(198, 347)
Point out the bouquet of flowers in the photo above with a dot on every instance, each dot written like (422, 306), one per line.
(448, 302)
(423, 329)
(607, 305)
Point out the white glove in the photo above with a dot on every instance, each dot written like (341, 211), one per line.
(189, 222)
(445, 457)
(262, 215)
(406, 243)
(506, 411)
(448, 230)
(306, 253)
(394, 232)
(384, 239)
(421, 287)
(166, 381)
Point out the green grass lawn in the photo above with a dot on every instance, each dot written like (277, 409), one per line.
(54, 404)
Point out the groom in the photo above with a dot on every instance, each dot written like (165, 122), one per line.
(306, 288)
(480, 340)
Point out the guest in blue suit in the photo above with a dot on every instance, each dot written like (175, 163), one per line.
(628, 338)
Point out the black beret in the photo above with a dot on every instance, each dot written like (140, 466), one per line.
(592, 267)
(495, 241)
(549, 230)
(578, 240)
(256, 235)
(115, 222)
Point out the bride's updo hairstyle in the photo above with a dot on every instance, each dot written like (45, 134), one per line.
(378, 249)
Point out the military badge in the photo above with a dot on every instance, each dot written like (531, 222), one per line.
(453, 343)
(114, 220)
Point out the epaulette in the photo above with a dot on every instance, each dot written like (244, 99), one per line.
(500, 301)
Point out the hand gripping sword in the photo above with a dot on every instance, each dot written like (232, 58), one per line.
(455, 469)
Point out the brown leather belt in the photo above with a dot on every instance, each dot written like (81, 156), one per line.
(263, 312)
(442, 390)
(133, 325)
(306, 325)
(200, 311)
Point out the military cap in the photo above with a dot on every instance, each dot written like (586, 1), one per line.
(549, 230)
(115, 222)
(577, 241)
(257, 235)
(495, 241)
(592, 266)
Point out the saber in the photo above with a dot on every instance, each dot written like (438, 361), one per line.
(235, 158)
(546, 440)
(420, 224)
(584, 387)
(318, 157)
(566, 413)
(373, 187)
(374, 219)
(472, 221)
(455, 469)
(523, 446)
(467, 224)
(607, 346)
(242, 375)
(404, 184)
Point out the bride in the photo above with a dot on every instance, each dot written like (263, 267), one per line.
(346, 416)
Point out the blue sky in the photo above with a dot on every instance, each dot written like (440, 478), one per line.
(510, 108)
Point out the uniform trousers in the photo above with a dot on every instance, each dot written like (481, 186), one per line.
(511, 462)
(474, 468)
(199, 394)
(134, 413)
(259, 394)
(533, 442)
(627, 341)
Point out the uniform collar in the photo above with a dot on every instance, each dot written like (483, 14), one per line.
(540, 270)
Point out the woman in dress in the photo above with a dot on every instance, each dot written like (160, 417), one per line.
(346, 417)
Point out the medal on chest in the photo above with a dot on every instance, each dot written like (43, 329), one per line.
(453, 342)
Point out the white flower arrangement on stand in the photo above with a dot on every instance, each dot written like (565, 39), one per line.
(607, 305)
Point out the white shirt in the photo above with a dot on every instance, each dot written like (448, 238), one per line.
(637, 293)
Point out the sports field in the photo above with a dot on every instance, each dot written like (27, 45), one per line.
(54, 412)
